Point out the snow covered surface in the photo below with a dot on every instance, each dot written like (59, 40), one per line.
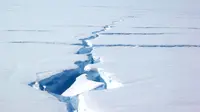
(147, 48)
(173, 87)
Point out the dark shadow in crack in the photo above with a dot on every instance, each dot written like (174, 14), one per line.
(94, 75)
(150, 27)
(141, 45)
(84, 50)
(137, 33)
(70, 101)
(96, 32)
(92, 37)
(59, 82)
(92, 59)
(81, 65)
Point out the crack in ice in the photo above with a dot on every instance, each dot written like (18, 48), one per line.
(63, 85)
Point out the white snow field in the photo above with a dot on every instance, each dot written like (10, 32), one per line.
(99, 56)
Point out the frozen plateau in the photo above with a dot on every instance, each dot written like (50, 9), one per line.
(100, 56)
